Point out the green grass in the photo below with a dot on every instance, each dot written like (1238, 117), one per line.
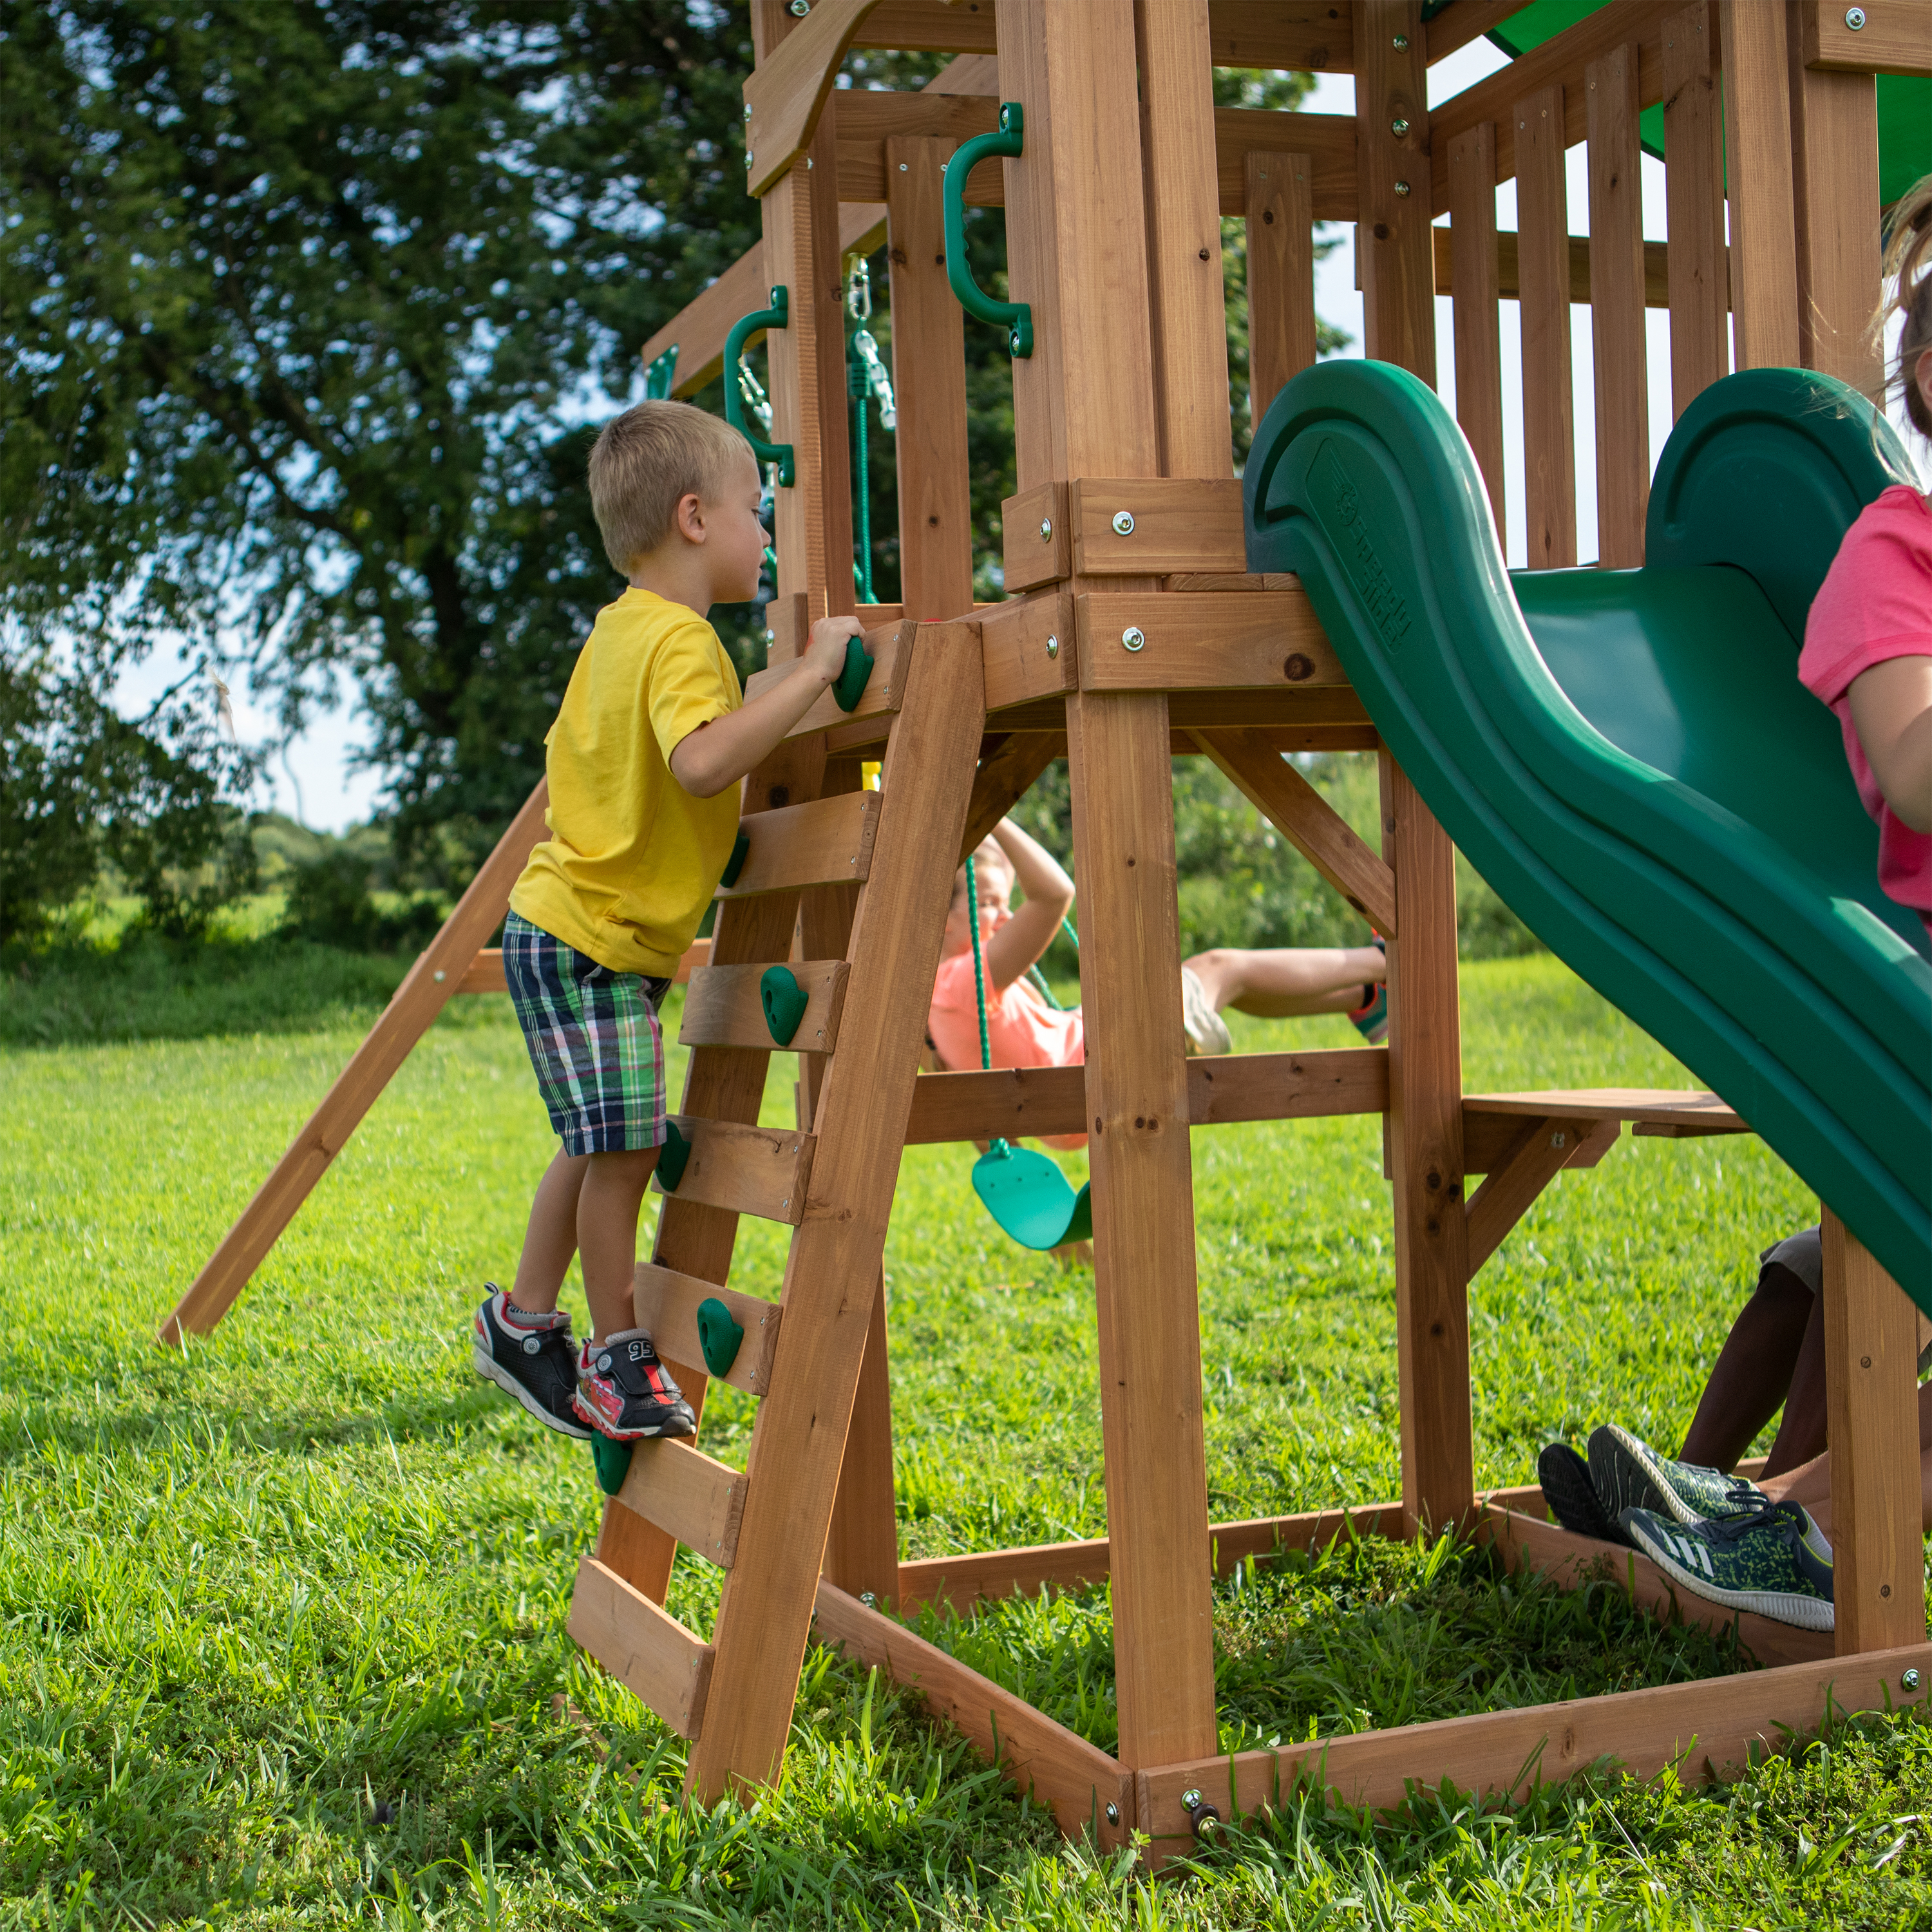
(281, 1620)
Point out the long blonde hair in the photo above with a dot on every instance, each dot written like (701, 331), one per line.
(1908, 292)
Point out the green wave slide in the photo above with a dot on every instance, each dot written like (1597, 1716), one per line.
(1627, 756)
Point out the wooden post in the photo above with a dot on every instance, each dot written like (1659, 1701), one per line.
(1757, 151)
(414, 1005)
(1425, 1139)
(1616, 309)
(1280, 210)
(1871, 1391)
(1085, 404)
(1476, 304)
(1543, 269)
(1694, 201)
(832, 1275)
(1397, 251)
(929, 381)
(1835, 197)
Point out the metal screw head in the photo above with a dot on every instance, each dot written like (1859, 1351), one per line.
(799, 8)
(440, 977)
(1113, 1810)
(1909, 1680)
(1401, 43)
(1134, 637)
(1013, 342)
(1053, 647)
(747, 110)
(1402, 189)
(747, 158)
(1189, 1799)
(902, 167)
(1398, 126)
(1855, 18)
(870, 1602)
(1046, 530)
(1124, 522)
(1557, 1139)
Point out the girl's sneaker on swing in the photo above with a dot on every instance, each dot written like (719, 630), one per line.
(1207, 1032)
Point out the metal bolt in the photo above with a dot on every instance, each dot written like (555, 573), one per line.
(1402, 189)
(1557, 1139)
(1855, 18)
(902, 167)
(1053, 647)
(440, 977)
(870, 1602)
(1013, 342)
(1113, 1810)
(747, 158)
(1134, 637)
(1046, 530)
(1189, 1799)
(747, 110)
(799, 8)
(1398, 126)
(1909, 1680)
(1124, 522)
(1401, 43)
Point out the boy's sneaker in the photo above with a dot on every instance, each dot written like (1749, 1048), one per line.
(1629, 1473)
(1772, 1559)
(1206, 1031)
(528, 1357)
(626, 1393)
(1572, 1496)
(1371, 1018)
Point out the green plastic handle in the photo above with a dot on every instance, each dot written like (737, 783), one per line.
(741, 850)
(660, 375)
(850, 686)
(779, 315)
(784, 1001)
(720, 1335)
(1015, 318)
(612, 1461)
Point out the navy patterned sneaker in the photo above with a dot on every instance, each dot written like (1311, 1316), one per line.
(530, 1357)
(1770, 1558)
(624, 1391)
(1629, 1473)
(1572, 1496)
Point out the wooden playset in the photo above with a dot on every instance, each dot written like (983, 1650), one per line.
(1147, 617)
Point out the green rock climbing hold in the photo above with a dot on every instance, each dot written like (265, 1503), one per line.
(612, 1461)
(851, 684)
(719, 1334)
(784, 1001)
(734, 865)
(671, 1158)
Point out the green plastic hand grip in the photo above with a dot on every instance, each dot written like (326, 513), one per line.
(659, 376)
(777, 316)
(719, 1334)
(672, 1157)
(741, 849)
(1015, 318)
(850, 686)
(784, 1001)
(612, 1461)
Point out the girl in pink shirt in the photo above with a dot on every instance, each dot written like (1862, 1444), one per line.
(1868, 641)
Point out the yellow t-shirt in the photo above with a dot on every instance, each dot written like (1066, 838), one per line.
(632, 858)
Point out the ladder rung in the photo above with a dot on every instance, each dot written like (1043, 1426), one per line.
(827, 842)
(688, 1495)
(890, 645)
(646, 1648)
(667, 1304)
(724, 1007)
(749, 1170)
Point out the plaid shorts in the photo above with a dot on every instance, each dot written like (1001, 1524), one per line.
(594, 1041)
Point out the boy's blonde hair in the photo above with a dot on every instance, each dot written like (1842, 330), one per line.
(1908, 274)
(644, 460)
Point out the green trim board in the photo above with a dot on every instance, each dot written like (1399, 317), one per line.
(1627, 756)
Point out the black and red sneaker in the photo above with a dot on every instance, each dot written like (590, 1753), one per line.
(530, 1358)
(625, 1392)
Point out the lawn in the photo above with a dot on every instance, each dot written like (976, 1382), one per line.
(281, 1620)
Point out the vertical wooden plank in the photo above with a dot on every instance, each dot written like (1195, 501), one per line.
(1143, 1196)
(1279, 206)
(832, 1274)
(1398, 260)
(1694, 207)
(1543, 268)
(1835, 198)
(929, 381)
(1871, 1401)
(1757, 174)
(1616, 308)
(1183, 230)
(1473, 270)
(1425, 1140)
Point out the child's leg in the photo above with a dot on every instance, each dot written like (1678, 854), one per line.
(1810, 1482)
(550, 1239)
(1753, 1372)
(607, 1204)
(1279, 981)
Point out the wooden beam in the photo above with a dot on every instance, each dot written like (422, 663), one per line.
(1468, 20)
(1700, 268)
(1307, 821)
(1167, 640)
(1393, 135)
(1663, 1106)
(1508, 282)
(1758, 174)
(890, 645)
(1895, 38)
(929, 26)
(786, 92)
(1549, 455)
(1542, 1150)
(1280, 208)
(688, 1495)
(1174, 523)
(824, 842)
(1616, 308)
(746, 1170)
(646, 1648)
(725, 1007)
(1871, 1389)
(1030, 649)
(1477, 267)
(414, 1005)
(666, 1303)
(1005, 778)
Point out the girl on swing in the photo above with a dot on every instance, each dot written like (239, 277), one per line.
(1025, 1027)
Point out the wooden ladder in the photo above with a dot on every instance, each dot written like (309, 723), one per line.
(865, 877)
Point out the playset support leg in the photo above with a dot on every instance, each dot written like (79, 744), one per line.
(1757, 144)
(1699, 273)
(1871, 1385)
(1397, 250)
(1280, 211)
(1425, 1129)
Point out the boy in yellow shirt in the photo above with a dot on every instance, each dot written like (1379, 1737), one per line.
(643, 762)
